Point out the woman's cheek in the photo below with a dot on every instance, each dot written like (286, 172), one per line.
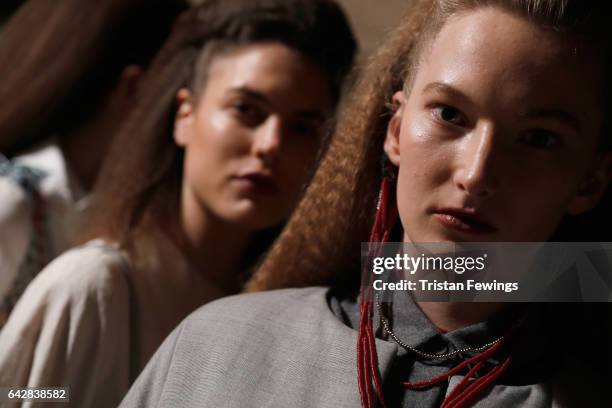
(419, 134)
(229, 139)
(423, 148)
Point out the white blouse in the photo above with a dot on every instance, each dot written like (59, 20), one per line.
(62, 200)
(94, 316)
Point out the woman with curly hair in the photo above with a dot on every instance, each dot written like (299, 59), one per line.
(494, 120)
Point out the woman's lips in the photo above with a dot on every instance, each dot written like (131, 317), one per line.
(462, 221)
(256, 183)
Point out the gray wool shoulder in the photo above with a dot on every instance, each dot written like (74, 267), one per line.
(271, 349)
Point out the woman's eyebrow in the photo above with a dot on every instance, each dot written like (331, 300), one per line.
(442, 88)
(314, 114)
(251, 93)
(556, 114)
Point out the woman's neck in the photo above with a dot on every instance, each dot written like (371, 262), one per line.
(450, 316)
(211, 245)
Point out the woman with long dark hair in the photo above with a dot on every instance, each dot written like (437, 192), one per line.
(493, 121)
(198, 182)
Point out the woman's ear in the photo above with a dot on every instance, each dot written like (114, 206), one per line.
(183, 122)
(122, 95)
(593, 188)
(392, 139)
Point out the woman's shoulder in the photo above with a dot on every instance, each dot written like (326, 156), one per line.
(282, 339)
(79, 305)
(303, 312)
(280, 302)
(94, 268)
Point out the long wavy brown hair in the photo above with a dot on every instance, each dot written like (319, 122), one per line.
(139, 185)
(321, 242)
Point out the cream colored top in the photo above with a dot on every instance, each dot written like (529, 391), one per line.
(64, 200)
(94, 316)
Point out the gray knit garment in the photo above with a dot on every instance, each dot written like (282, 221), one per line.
(297, 348)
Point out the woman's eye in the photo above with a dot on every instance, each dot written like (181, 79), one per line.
(541, 139)
(449, 114)
(247, 112)
(242, 108)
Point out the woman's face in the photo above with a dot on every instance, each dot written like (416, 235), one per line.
(252, 135)
(497, 139)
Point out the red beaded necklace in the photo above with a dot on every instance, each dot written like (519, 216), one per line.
(368, 374)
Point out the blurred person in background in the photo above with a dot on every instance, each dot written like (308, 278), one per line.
(69, 72)
(224, 133)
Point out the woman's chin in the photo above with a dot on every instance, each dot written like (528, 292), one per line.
(442, 234)
(252, 217)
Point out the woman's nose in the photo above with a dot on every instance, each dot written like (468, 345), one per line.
(267, 141)
(477, 160)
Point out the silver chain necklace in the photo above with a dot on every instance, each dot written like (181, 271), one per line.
(423, 354)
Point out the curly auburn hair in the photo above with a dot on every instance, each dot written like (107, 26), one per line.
(321, 242)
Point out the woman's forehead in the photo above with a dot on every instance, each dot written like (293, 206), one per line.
(500, 58)
(272, 72)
